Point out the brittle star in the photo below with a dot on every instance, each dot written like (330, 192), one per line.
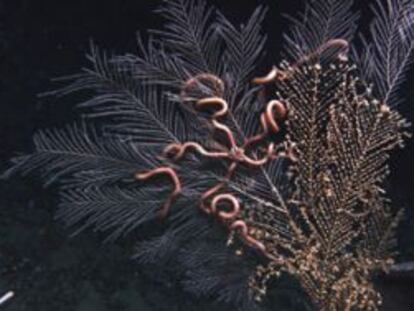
(236, 154)
(274, 111)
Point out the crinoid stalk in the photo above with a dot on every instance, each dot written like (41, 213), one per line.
(288, 167)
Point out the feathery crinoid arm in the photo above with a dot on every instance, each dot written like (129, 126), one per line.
(321, 22)
(127, 108)
(76, 156)
(244, 47)
(196, 40)
(95, 175)
(189, 33)
(115, 177)
(387, 50)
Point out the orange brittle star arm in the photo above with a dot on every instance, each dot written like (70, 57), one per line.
(200, 79)
(277, 74)
(275, 110)
(214, 101)
(259, 137)
(274, 74)
(180, 149)
(235, 206)
(241, 227)
(341, 44)
(260, 162)
(208, 193)
(172, 174)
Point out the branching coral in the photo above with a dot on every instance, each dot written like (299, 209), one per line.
(337, 187)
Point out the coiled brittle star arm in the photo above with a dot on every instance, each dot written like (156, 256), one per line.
(276, 74)
(224, 215)
(214, 101)
(259, 137)
(172, 174)
(275, 110)
(179, 150)
(260, 162)
(207, 81)
(241, 227)
(237, 225)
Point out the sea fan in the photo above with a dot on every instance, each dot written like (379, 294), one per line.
(287, 168)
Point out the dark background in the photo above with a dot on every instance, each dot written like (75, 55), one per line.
(43, 39)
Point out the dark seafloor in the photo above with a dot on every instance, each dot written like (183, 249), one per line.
(48, 270)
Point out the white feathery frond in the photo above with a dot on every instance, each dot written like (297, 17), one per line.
(388, 50)
(323, 20)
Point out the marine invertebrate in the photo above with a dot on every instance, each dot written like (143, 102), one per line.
(337, 202)
(235, 155)
(295, 175)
